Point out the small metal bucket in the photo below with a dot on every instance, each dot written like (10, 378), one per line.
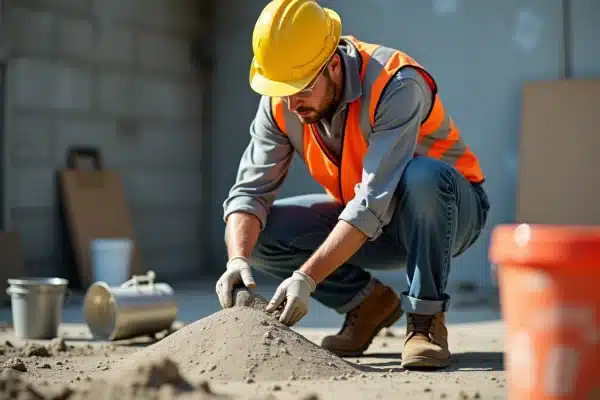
(37, 305)
(137, 307)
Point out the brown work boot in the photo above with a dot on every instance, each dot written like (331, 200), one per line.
(381, 309)
(426, 343)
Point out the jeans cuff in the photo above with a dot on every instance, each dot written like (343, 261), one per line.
(413, 305)
(358, 299)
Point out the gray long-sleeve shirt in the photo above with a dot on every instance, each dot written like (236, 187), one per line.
(391, 145)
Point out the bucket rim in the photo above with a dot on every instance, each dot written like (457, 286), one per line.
(100, 334)
(38, 281)
(546, 245)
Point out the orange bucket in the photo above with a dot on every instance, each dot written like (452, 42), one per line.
(549, 282)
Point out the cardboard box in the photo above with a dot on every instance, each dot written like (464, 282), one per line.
(559, 163)
(94, 206)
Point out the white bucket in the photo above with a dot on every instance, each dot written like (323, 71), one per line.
(111, 259)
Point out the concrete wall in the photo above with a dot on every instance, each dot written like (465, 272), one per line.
(480, 60)
(116, 74)
(584, 38)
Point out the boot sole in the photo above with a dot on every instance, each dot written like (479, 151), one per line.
(389, 321)
(424, 362)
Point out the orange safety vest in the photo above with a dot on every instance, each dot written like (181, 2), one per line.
(438, 136)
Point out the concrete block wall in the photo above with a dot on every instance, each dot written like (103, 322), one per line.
(116, 74)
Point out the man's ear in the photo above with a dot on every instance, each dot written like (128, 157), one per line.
(335, 64)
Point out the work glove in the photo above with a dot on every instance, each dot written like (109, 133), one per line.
(296, 291)
(238, 271)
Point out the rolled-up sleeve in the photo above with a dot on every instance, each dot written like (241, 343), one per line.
(262, 168)
(392, 143)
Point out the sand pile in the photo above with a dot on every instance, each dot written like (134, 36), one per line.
(242, 343)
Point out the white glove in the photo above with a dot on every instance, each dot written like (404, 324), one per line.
(296, 291)
(238, 271)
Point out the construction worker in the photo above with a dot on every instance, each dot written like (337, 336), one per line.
(402, 188)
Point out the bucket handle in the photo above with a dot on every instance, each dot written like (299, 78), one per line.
(137, 280)
(18, 291)
(24, 292)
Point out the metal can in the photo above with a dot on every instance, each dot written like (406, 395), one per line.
(137, 307)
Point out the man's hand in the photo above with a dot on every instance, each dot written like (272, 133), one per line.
(296, 291)
(238, 271)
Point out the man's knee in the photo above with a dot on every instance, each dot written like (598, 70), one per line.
(426, 181)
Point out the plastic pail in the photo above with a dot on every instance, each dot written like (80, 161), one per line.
(549, 282)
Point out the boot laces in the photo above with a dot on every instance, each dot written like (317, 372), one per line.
(421, 323)
(351, 318)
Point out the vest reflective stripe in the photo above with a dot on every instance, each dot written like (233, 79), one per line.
(438, 136)
(354, 149)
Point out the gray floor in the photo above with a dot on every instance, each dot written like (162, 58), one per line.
(198, 300)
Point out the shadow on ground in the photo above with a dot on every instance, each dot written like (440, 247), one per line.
(467, 361)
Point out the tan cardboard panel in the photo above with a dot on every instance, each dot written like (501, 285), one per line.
(95, 208)
(559, 153)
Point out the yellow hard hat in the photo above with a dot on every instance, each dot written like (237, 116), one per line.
(292, 41)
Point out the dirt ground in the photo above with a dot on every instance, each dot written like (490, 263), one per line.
(258, 359)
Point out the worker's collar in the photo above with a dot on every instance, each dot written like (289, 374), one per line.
(351, 68)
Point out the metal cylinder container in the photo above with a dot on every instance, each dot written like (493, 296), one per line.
(37, 305)
(137, 307)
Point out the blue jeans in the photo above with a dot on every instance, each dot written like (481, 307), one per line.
(439, 215)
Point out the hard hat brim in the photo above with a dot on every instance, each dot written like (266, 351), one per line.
(267, 87)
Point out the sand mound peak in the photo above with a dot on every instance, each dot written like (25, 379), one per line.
(243, 342)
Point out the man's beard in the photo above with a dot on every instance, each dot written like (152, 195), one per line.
(313, 117)
(316, 115)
